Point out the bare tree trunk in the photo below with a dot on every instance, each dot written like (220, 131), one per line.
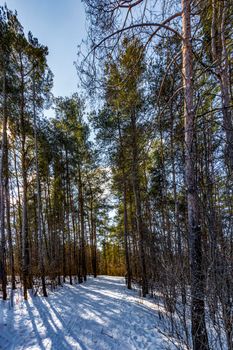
(8, 220)
(74, 226)
(67, 213)
(3, 273)
(83, 244)
(20, 240)
(223, 73)
(62, 228)
(137, 198)
(127, 260)
(25, 238)
(38, 188)
(79, 257)
(199, 333)
(128, 267)
(93, 236)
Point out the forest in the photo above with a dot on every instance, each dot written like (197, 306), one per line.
(132, 176)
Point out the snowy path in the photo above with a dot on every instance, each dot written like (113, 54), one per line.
(98, 315)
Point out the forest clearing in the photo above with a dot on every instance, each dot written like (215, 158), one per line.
(116, 174)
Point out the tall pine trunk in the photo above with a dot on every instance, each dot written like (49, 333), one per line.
(67, 213)
(8, 224)
(38, 195)
(3, 273)
(81, 211)
(138, 205)
(93, 236)
(199, 333)
(127, 259)
(25, 236)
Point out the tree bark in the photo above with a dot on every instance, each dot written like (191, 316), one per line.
(8, 220)
(199, 333)
(137, 199)
(93, 236)
(127, 260)
(3, 273)
(67, 213)
(25, 238)
(38, 188)
(81, 209)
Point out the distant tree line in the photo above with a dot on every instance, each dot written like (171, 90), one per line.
(53, 199)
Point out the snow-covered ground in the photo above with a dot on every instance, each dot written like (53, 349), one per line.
(100, 314)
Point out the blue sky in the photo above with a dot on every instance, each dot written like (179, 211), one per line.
(59, 24)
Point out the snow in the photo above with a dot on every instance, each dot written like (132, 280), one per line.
(100, 314)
